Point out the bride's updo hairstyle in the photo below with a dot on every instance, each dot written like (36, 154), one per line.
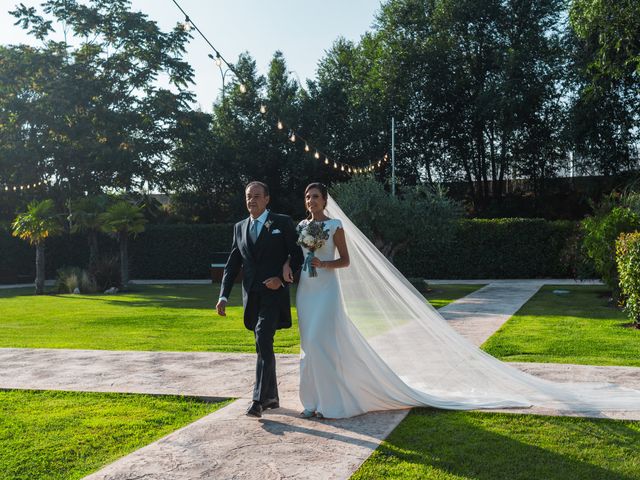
(321, 187)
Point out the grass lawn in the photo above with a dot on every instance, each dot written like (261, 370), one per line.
(579, 327)
(435, 444)
(150, 317)
(67, 435)
(153, 317)
(441, 295)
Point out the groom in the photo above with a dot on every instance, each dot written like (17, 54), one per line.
(261, 245)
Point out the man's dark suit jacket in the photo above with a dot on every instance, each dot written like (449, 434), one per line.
(262, 260)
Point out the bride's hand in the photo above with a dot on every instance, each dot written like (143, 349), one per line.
(287, 273)
(317, 263)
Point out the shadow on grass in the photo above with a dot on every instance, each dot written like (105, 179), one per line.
(453, 443)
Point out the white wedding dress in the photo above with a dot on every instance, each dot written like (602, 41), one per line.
(371, 342)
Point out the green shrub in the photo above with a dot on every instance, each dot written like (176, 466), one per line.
(628, 262)
(599, 241)
(492, 248)
(106, 272)
(70, 278)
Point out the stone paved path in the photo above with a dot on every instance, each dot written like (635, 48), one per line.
(227, 444)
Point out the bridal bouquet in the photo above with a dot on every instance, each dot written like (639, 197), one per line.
(312, 236)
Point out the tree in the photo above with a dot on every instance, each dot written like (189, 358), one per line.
(604, 112)
(85, 217)
(613, 29)
(35, 225)
(123, 219)
(91, 116)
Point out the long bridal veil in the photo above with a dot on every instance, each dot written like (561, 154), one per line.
(423, 350)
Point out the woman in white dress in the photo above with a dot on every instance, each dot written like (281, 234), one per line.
(369, 341)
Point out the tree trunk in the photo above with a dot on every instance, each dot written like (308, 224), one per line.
(92, 237)
(124, 259)
(39, 268)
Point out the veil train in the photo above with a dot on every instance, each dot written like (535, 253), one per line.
(417, 343)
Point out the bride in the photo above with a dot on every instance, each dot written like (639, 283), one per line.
(370, 342)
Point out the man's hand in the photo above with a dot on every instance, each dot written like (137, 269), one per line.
(221, 308)
(287, 273)
(273, 283)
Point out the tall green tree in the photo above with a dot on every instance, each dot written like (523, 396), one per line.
(35, 225)
(89, 114)
(613, 30)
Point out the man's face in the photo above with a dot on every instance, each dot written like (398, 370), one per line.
(257, 201)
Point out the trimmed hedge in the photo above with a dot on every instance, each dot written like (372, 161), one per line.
(628, 262)
(160, 252)
(494, 248)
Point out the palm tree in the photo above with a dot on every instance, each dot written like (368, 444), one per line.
(35, 225)
(123, 219)
(85, 218)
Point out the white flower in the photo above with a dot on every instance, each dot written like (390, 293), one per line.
(308, 240)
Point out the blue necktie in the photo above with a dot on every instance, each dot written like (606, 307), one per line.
(253, 231)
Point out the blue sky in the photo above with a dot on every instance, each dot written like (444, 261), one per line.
(302, 30)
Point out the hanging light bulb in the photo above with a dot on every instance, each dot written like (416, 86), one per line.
(342, 168)
(306, 147)
(335, 165)
(292, 137)
(280, 126)
(263, 109)
(243, 88)
(326, 161)
(28, 186)
(379, 163)
(6, 189)
(14, 188)
(349, 170)
(317, 155)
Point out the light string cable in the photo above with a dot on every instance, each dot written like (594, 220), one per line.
(293, 135)
(20, 187)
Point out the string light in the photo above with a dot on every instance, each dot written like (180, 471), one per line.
(17, 188)
(188, 25)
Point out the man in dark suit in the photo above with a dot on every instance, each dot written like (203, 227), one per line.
(261, 245)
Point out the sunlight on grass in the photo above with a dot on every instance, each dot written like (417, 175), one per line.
(580, 327)
(436, 444)
(67, 435)
(153, 317)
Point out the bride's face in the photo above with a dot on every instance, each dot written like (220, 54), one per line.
(313, 201)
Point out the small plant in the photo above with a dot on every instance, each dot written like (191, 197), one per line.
(71, 278)
(106, 272)
(628, 261)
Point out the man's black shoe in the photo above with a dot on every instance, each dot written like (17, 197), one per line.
(254, 410)
(267, 404)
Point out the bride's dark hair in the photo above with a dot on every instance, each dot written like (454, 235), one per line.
(321, 187)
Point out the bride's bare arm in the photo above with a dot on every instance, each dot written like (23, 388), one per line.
(343, 254)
